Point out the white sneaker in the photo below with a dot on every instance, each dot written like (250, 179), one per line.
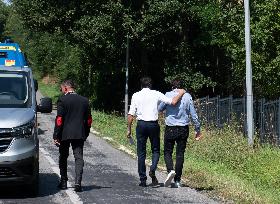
(178, 184)
(169, 178)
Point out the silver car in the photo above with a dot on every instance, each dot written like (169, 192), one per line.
(19, 144)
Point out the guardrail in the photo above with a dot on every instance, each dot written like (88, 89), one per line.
(218, 112)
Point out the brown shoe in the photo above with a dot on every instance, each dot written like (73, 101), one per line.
(154, 178)
(62, 185)
(143, 184)
(78, 188)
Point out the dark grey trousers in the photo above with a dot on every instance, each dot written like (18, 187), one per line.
(77, 147)
(178, 135)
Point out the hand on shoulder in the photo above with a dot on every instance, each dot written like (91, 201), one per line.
(198, 136)
(181, 91)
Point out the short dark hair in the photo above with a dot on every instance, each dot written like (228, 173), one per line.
(177, 84)
(146, 82)
(69, 83)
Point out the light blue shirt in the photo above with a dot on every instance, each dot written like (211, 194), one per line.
(178, 115)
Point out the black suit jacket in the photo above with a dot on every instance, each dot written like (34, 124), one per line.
(73, 120)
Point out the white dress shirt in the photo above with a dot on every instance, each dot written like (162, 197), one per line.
(144, 104)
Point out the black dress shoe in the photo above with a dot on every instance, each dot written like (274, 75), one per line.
(154, 178)
(78, 188)
(62, 184)
(143, 184)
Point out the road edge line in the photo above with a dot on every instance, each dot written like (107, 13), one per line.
(74, 197)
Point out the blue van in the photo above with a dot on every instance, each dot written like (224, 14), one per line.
(11, 55)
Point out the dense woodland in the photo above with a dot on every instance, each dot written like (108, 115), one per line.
(200, 41)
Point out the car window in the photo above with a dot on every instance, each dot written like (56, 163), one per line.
(14, 90)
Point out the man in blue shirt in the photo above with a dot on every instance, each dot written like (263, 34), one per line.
(177, 130)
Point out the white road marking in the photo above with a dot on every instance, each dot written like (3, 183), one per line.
(74, 197)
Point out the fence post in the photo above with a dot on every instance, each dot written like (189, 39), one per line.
(245, 116)
(230, 109)
(278, 121)
(207, 112)
(218, 111)
(262, 120)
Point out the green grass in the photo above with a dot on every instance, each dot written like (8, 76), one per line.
(49, 90)
(234, 170)
(221, 164)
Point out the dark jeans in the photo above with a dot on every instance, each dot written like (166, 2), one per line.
(77, 147)
(178, 134)
(145, 130)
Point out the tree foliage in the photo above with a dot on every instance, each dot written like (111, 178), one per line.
(202, 42)
(4, 11)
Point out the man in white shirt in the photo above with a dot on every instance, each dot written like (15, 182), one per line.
(144, 104)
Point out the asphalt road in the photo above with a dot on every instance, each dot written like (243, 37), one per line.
(110, 176)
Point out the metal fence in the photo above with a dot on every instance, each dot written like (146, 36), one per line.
(218, 112)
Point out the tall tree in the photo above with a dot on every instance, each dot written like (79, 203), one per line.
(200, 41)
(4, 11)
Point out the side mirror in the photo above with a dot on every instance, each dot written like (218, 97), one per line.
(45, 105)
(35, 85)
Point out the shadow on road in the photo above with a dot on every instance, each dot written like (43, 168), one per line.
(93, 187)
(160, 185)
(41, 132)
(12, 192)
(47, 186)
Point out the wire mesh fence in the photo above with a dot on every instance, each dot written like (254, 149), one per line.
(219, 112)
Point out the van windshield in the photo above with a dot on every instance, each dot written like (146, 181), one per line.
(14, 90)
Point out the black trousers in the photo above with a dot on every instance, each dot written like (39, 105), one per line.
(145, 130)
(77, 147)
(178, 135)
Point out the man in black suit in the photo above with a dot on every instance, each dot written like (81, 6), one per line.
(72, 126)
